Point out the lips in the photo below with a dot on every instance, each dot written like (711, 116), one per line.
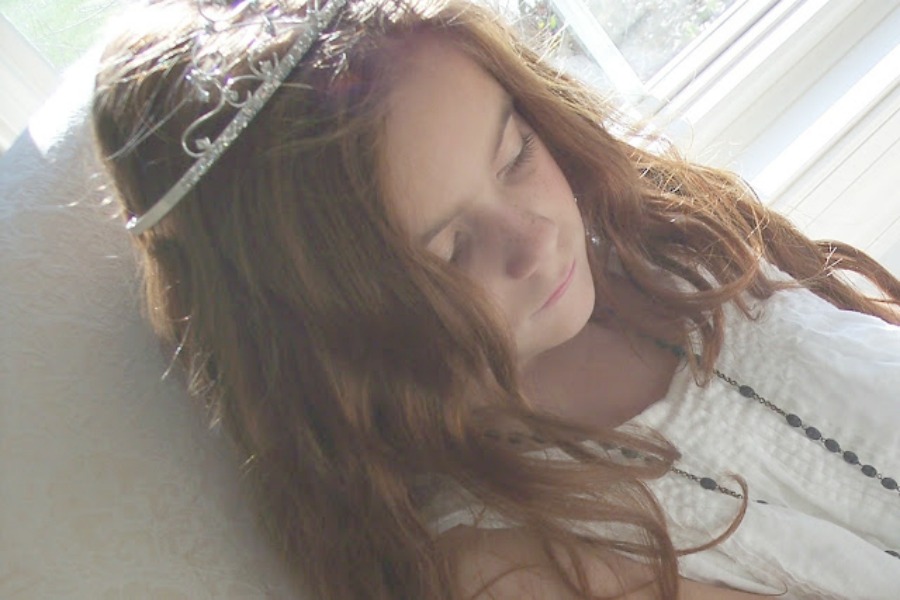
(561, 289)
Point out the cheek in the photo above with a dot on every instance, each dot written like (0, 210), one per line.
(551, 175)
(560, 202)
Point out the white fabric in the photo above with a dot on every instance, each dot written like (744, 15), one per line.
(825, 529)
(111, 484)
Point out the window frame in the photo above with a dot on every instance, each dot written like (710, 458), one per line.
(26, 78)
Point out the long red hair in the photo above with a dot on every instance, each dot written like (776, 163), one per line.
(360, 376)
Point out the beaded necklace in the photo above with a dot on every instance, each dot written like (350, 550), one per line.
(813, 434)
(708, 483)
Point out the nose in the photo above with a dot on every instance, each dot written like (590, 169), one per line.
(524, 239)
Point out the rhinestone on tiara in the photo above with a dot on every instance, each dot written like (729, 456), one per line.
(213, 85)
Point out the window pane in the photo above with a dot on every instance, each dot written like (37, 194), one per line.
(539, 23)
(650, 33)
(644, 35)
(61, 30)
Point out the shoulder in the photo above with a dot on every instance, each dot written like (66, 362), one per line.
(501, 564)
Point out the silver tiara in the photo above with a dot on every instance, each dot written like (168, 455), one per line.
(214, 85)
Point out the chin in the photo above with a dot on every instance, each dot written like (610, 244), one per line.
(578, 320)
(573, 318)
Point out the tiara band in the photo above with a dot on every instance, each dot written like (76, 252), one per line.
(270, 73)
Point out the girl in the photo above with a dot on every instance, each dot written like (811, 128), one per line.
(469, 343)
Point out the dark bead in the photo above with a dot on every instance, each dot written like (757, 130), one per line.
(851, 458)
(793, 420)
(746, 391)
(813, 433)
(761, 502)
(629, 453)
(832, 445)
(893, 553)
(869, 471)
(889, 483)
(708, 484)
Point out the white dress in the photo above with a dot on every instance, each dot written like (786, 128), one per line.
(825, 528)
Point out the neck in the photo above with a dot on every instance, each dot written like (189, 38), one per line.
(602, 377)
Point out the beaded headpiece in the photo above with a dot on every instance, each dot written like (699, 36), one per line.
(218, 88)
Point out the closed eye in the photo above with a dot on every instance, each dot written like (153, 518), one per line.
(521, 159)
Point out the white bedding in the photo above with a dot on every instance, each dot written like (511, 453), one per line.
(111, 485)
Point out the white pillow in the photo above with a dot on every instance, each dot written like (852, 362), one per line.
(111, 484)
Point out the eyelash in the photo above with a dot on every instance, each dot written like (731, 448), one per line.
(524, 154)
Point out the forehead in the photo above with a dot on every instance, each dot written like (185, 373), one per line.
(440, 130)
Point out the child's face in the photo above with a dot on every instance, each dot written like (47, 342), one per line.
(473, 184)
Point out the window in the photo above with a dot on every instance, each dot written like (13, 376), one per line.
(721, 70)
(646, 50)
(38, 40)
(60, 30)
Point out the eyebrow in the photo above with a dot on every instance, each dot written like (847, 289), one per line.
(505, 115)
